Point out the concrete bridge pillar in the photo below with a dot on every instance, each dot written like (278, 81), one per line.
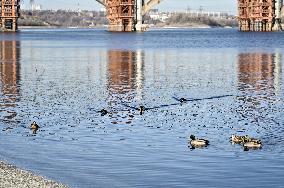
(139, 17)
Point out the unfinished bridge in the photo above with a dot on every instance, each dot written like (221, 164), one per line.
(127, 15)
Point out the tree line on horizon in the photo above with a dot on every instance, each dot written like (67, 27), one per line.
(63, 18)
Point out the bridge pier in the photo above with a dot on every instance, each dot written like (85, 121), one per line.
(259, 15)
(125, 15)
(120, 14)
(139, 17)
(9, 14)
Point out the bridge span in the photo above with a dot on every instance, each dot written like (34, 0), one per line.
(127, 15)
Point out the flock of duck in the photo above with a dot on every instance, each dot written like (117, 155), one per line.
(246, 141)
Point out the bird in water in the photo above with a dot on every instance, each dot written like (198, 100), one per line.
(197, 142)
(253, 144)
(34, 127)
(141, 109)
(247, 142)
(182, 100)
(240, 139)
(103, 112)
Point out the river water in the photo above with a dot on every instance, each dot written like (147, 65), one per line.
(62, 78)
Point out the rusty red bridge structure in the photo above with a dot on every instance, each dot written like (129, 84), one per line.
(127, 15)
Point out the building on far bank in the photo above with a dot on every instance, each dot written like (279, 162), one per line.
(36, 7)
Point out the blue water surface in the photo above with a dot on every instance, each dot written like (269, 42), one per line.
(61, 78)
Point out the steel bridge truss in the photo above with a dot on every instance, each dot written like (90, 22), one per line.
(259, 15)
(9, 14)
(127, 15)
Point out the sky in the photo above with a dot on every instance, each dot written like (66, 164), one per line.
(165, 5)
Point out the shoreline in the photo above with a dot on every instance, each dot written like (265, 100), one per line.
(14, 177)
(59, 27)
(150, 27)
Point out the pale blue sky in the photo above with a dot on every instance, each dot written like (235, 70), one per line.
(178, 5)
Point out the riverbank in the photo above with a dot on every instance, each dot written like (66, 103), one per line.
(13, 177)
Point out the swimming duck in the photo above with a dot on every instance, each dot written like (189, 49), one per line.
(198, 142)
(240, 139)
(254, 144)
(182, 100)
(141, 109)
(103, 112)
(34, 127)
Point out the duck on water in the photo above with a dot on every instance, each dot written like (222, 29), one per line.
(198, 142)
(247, 142)
(34, 127)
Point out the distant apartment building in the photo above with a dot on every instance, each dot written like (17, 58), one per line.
(154, 14)
(36, 7)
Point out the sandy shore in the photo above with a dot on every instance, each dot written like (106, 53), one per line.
(13, 177)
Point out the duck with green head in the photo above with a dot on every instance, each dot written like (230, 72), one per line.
(198, 142)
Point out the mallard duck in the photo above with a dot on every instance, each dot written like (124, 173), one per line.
(34, 125)
(244, 139)
(240, 139)
(198, 142)
(182, 100)
(103, 112)
(255, 144)
(141, 109)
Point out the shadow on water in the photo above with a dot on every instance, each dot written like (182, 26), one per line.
(180, 102)
(9, 79)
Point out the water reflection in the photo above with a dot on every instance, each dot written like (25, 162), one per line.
(125, 77)
(259, 71)
(10, 76)
(259, 79)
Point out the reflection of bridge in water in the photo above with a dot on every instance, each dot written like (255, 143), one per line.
(125, 80)
(127, 15)
(10, 76)
(259, 79)
(125, 72)
(261, 71)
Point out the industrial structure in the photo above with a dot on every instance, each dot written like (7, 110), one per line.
(260, 15)
(9, 14)
(127, 15)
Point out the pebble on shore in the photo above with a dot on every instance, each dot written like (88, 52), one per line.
(13, 177)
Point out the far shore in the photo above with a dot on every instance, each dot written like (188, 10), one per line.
(105, 27)
(175, 26)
